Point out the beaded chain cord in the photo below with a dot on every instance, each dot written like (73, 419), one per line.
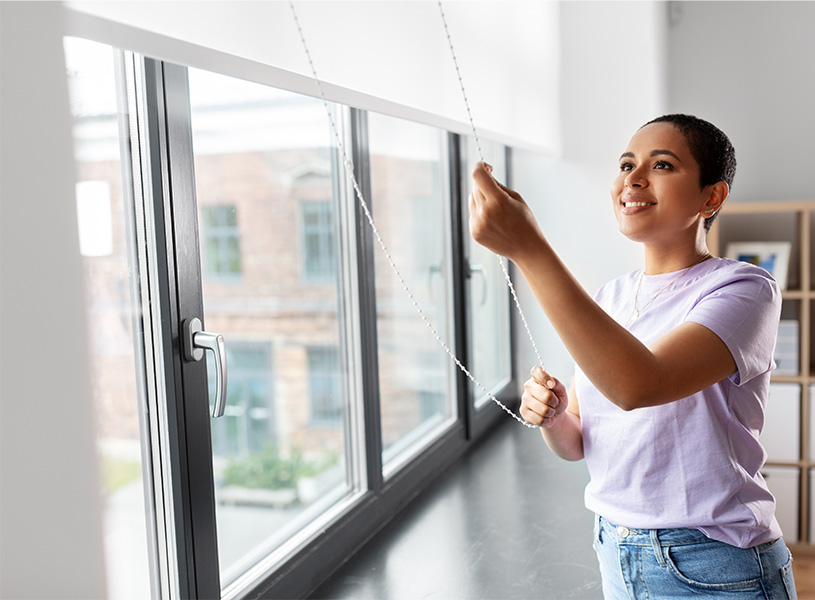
(349, 168)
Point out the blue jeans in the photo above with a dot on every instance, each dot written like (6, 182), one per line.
(684, 563)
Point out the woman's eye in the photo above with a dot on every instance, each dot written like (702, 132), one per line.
(626, 167)
(663, 165)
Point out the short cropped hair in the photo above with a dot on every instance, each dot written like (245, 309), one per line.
(711, 149)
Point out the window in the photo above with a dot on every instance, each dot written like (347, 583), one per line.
(324, 387)
(488, 293)
(319, 254)
(411, 202)
(250, 142)
(248, 423)
(340, 401)
(222, 252)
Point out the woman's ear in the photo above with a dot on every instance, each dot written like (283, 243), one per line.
(717, 195)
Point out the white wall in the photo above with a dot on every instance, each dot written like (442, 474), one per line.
(749, 67)
(51, 531)
(612, 82)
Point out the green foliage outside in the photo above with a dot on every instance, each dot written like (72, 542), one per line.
(264, 470)
(116, 473)
(272, 471)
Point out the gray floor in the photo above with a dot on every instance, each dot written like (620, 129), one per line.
(507, 522)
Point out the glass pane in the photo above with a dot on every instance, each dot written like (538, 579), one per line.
(265, 186)
(489, 297)
(105, 210)
(411, 208)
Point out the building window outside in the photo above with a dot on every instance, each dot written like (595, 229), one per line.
(325, 386)
(319, 242)
(222, 253)
(248, 422)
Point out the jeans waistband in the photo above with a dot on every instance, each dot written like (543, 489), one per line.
(633, 535)
(656, 538)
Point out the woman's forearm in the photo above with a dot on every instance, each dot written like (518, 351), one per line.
(565, 437)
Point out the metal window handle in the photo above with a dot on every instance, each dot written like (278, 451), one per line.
(195, 342)
(432, 271)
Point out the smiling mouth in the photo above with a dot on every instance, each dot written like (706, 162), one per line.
(632, 204)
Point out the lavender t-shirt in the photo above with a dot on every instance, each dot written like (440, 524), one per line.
(694, 462)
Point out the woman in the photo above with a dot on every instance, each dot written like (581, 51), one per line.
(673, 367)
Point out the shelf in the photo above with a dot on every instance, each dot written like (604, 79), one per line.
(799, 379)
(793, 222)
(803, 464)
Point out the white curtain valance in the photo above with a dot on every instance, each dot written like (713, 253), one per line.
(390, 57)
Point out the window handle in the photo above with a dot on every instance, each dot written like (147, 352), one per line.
(195, 342)
(481, 270)
(432, 271)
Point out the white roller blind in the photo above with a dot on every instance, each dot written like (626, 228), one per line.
(387, 56)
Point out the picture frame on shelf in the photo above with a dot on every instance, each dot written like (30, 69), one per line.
(773, 257)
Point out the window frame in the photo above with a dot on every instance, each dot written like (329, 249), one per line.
(415, 443)
(481, 419)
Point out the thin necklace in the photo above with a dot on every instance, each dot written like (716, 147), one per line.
(636, 312)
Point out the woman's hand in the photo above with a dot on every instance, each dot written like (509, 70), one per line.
(500, 220)
(544, 399)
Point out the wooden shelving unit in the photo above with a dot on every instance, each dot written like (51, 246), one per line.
(792, 222)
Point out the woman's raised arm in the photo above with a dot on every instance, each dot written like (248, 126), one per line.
(627, 372)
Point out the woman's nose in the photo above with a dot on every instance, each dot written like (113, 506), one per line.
(636, 178)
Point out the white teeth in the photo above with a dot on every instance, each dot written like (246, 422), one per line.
(630, 204)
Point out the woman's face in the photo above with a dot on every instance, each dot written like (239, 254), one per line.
(656, 193)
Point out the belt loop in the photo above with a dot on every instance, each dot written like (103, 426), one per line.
(657, 547)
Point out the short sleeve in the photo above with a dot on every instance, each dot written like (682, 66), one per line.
(744, 312)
